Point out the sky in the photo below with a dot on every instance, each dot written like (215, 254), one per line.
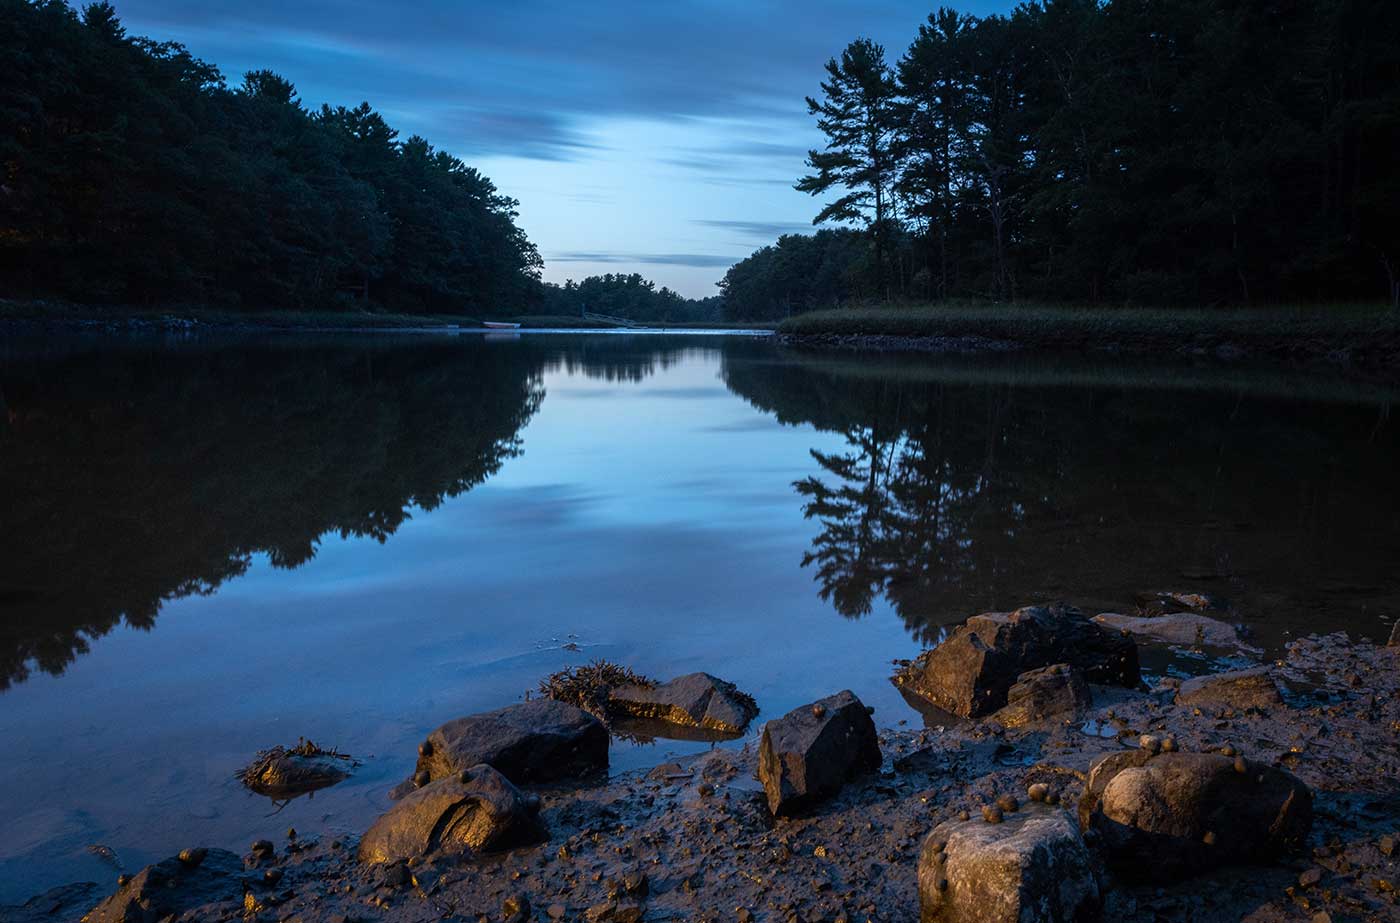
(638, 135)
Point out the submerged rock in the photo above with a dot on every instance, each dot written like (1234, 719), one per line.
(288, 772)
(1029, 867)
(469, 812)
(1186, 628)
(808, 754)
(1049, 692)
(537, 741)
(971, 673)
(1239, 689)
(694, 700)
(172, 887)
(1165, 815)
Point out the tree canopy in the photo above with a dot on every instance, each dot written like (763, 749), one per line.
(130, 172)
(1131, 151)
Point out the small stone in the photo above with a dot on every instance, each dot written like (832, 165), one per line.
(1168, 744)
(421, 778)
(556, 911)
(818, 710)
(123, 880)
(1209, 838)
(1387, 845)
(1038, 792)
(705, 789)
(636, 884)
(1240, 765)
(1149, 743)
(193, 856)
(1310, 878)
(963, 815)
(262, 848)
(272, 876)
(1009, 804)
(744, 915)
(1228, 750)
(516, 907)
(991, 814)
(397, 875)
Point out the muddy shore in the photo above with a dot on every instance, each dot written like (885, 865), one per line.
(697, 842)
(1377, 358)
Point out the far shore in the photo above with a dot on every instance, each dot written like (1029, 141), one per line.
(121, 318)
(1365, 338)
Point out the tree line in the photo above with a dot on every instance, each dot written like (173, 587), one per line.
(131, 172)
(1130, 151)
(624, 295)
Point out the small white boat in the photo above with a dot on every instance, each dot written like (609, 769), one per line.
(499, 325)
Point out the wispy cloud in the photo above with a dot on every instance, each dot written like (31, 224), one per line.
(696, 260)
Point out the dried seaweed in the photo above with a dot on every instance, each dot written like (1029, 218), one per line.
(588, 686)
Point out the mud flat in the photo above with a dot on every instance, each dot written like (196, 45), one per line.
(1294, 814)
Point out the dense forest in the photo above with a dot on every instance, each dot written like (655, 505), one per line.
(132, 173)
(1129, 151)
(625, 295)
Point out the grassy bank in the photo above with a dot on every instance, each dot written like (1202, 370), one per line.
(1358, 334)
(1034, 322)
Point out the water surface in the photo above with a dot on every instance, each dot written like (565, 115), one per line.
(211, 546)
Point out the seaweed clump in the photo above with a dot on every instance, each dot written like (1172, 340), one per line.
(285, 772)
(587, 686)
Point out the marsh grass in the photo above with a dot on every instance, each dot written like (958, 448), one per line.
(1057, 323)
(587, 686)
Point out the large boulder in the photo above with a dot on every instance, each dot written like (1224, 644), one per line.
(1183, 628)
(470, 812)
(971, 673)
(694, 700)
(537, 741)
(1040, 695)
(1031, 867)
(1237, 689)
(1165, 815)
(808, 754)
(173, 887)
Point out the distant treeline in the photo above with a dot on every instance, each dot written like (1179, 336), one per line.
(131, 173)
(625, 295)
(1139, 151)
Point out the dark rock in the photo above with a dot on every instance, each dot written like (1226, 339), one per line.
(1164, 815)
(285, 774)
(516, 908)
(538, 741)
(1239, 689)
(1185, 628)
(63, 903)
(971, 673)
(171, 887)
(804, 759)
(473, 812)
(1031, 867)
(693, 700)
(1049, 692)
(1179, 601)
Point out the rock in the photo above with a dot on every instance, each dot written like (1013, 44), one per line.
(804, 759)
(1045, 693)
(474, 812)
(1184, 628)
(1239, 689)
(1178, 601)
(694, 700)
(1394, 635)
(537, 741)
(1031, 867)
(62, 903)
(1164, 815)
(971, 673)
(171, 887)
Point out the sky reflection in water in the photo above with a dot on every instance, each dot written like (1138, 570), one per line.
(445, 514)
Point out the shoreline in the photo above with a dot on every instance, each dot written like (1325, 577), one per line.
(1349, 341)
(696, 841)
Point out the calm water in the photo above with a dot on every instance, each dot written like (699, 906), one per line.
(208, 548)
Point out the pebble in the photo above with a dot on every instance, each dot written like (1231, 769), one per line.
(1009, 804)
(272, 877)
(1038, 792)
(421, 778)
(991, 814)
(262, 848)
(1309, 878)
(193, 856)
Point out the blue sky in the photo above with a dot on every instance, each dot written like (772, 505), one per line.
(655, 137)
